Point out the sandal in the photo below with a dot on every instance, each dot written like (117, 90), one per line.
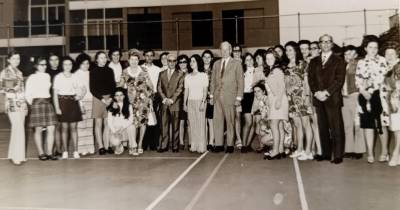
(43, 157)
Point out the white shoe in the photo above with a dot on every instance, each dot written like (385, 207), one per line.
(305, 156)
(370, 159)
(131, 151)
(64, 155)
(76, 155)
(140, 151)
(296, 154)
(238, 144)
(119, 149)
(135, 152)
(384, 158)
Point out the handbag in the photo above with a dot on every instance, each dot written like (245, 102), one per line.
(395, 121)
(152, 119)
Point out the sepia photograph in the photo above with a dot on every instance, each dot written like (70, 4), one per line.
(199, 105)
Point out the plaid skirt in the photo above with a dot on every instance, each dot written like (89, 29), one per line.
(42, 113)
(70, 109)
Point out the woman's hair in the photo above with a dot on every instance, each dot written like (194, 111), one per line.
(277, 63)
(67, 58)
(199, 61)
(82, 58)
(368, 39)
(296, 49)
(133, 53)
(244, 60)
(52, 55)
(280, 47)
(208, 52)
(125, 105)
(391, 45)
(111, 51)
(259, 52)
(98, 53)
(40, 59)
(12, 53)
(180, 57)
(260, 85)
(162, 54)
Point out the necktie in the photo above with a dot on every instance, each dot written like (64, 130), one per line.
(323, 59)
(169, 74)
(223, 69)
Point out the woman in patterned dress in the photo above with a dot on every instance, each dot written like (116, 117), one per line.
(140, 88)
(300, 107)
(12, 84)
(372, 101)
(393, 84)
(85, 127)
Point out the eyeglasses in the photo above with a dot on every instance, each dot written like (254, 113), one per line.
(314, 48)
(180, 62)
(171, 61)
(326, 42)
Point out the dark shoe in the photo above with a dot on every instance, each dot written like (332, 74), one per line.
(58, 154)
(102, 151)
(210, 147)
(277, 156)
(162, 150)
(110, 150)
(229, 149)
(357, 156)
(43, 157)
(182, 147)
(218, 149)
(175, 150)
(337, 160)
(348, 155)
(52, 157)
(318, 158)
(244, 149)
(283, 155)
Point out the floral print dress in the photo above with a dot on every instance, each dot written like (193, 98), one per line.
(296, 89)
(370, 76)
(12, 84)
(140, 90)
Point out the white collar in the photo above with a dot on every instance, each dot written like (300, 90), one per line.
(327, 55)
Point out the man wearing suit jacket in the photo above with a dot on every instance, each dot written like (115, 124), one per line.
(226, 92)
(326, 78)
(170, 88)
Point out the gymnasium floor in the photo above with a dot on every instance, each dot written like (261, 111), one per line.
(188, 181)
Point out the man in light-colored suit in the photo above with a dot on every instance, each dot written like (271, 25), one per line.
(226, 93)
(170, 88)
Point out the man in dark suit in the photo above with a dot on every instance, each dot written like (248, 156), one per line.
(226, 92)
(326, 78)
(170, 88)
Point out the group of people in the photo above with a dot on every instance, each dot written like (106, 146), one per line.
(300, 100)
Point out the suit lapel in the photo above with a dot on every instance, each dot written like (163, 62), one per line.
(174, 74)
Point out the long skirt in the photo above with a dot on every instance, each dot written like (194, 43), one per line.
(85, 129)
(197, 123)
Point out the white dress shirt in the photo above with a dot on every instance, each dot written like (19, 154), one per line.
(325, 56)
(248, 80)
(117, 69)
(37, 86)
(154, 73)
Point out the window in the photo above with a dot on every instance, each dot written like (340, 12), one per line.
(47, 16)
(229, 26)
(146, 35)
(202, 30)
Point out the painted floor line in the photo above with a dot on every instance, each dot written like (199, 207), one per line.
(300, 186)
(173, 184)
(124, 158)
(205, 184)
(37, 208)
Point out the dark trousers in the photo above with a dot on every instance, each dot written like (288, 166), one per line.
(152, 135)
(168, 118)
(331, 131)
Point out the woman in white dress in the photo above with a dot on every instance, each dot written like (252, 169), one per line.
(196, 87)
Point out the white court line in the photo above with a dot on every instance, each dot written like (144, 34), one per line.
(300, 186)
(122, 158)
(206, 183)
(37, 208)
(173, 184)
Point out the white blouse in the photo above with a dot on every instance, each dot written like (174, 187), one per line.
(84, 82)
(37, 86)
(117, 69)
(66, 85)
(195, 84)
(119, 122)
(248, 80)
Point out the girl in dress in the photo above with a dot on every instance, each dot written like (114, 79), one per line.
(208, 58)
(194, 103)
(121, 121)
(12, 84)
(66, 101)
(42, 114)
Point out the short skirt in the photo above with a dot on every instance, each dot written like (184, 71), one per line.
(70, 109)
(42, 113)
(247, 102)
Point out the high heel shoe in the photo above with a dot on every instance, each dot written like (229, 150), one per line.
(283, 155)
(269, 157)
